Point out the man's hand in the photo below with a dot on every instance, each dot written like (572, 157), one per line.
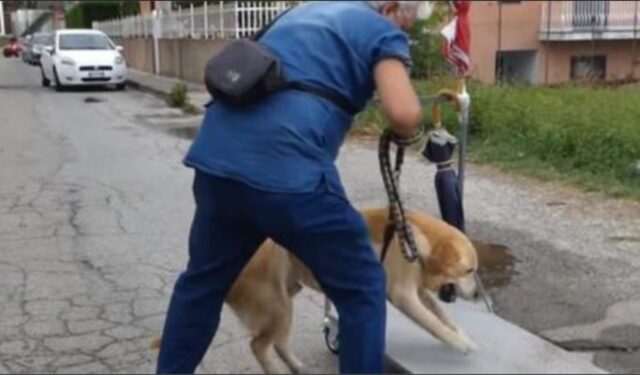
(397, 96)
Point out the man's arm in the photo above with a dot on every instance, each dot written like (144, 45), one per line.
(398, 98)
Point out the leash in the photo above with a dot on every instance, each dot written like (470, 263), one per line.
(398, 222)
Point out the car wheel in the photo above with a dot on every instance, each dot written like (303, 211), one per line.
(121, 86)
(45, 81)
(59, 87)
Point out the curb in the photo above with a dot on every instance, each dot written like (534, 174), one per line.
(391, 366)
(136, 85)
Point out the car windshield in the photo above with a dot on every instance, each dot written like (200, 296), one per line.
(85, 42)
(41, 39)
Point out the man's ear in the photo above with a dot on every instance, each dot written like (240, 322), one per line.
(389, 8)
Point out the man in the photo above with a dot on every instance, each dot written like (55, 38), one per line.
(268, 171)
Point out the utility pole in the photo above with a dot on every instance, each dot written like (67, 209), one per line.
(634, 56)
(2, 29)
(499, 57)
(547, 44)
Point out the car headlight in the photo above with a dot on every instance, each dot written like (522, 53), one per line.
(119, 60)
(67, 61)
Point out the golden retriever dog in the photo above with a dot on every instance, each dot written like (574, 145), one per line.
(262, 297)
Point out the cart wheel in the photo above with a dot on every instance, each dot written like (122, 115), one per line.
(331, 336)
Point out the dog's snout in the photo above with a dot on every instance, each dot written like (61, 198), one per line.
(476, 295)
(448, 293)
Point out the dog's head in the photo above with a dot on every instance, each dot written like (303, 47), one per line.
(450, 270)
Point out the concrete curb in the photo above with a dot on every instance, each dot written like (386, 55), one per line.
(143, 82)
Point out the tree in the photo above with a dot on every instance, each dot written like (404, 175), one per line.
(86, 12)
(426, 51)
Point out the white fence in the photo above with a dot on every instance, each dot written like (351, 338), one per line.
(236, 19)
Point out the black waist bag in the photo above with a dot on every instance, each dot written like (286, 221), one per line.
(245, 72)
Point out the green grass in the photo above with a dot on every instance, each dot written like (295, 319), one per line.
(585, 136)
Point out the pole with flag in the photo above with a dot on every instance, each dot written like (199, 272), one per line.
(457, 50)
(441, 145)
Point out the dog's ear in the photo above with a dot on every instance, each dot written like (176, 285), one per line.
(443, 259)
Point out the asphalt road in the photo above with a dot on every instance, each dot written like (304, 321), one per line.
(95, 207)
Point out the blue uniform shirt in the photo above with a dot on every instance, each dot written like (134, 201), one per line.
(289, 142)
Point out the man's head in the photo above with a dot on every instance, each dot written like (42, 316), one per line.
(403, 13)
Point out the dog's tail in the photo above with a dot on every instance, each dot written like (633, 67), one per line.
(156, 343)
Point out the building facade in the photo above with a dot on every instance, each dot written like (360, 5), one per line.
(552, 42)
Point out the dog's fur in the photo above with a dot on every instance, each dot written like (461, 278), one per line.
(262, 297)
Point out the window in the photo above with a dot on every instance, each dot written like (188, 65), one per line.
(517, 66)
(588, 67)
(84, 42)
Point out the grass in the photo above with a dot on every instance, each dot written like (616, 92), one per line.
(584, 136)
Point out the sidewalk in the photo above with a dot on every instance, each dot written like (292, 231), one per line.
(198, 95)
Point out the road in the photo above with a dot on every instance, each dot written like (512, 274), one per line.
(95, 207)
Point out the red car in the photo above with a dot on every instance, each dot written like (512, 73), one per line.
(12, 49)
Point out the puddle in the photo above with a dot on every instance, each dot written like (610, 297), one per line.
(497, 264)
(188, 133)
(556, 204)
(91, 100)
(170, 114)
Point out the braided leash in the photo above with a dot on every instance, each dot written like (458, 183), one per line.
(391, 178)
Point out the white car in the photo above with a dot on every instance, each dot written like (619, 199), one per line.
(83, 57)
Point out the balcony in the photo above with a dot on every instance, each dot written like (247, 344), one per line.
(587, 20)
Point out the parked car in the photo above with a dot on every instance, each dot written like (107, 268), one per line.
(12, 49)
(81, 57)
(32, 50)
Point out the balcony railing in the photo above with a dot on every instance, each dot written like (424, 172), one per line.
(586, 20)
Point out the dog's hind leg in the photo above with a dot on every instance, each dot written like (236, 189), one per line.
(283, 349)
(411, 305)
(260, 346)
(293, 363)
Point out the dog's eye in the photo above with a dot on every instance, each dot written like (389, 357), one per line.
(470, 271)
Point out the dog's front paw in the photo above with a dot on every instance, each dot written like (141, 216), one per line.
(465, 345)
(473, 347)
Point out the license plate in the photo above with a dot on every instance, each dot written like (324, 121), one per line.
(96, 74)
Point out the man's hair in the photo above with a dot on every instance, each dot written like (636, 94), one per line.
(410, 7)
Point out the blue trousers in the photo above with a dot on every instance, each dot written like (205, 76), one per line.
(321, 228)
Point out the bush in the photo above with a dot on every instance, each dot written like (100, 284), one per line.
(178, 98)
